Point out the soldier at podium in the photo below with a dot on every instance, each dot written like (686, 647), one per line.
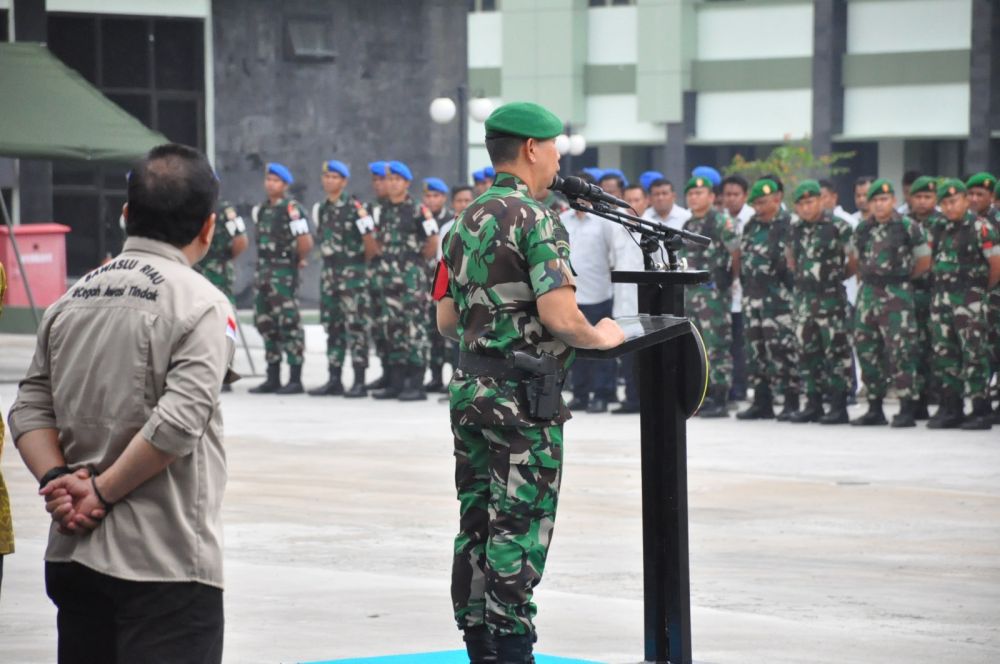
(509, 251)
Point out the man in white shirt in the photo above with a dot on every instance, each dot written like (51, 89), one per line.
(592, 241)
(734, 200)
(663, 210)
(628, 257)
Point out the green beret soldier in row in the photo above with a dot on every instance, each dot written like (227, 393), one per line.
(505, 286)
(819, 258)
(708, 304)
(966, 267)
(346, 235)
(922, 202)
(767, 305)
(407, 236)
(284, 241)
(435, 199)
(982, 189)
(891, 250)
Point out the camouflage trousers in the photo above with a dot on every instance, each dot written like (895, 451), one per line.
(277, 316)
(508, 488)
(403, 302)
(824, 336)
(221, 279)
(961, 341)
(375, 331)
(885, 337)
(771, 348)
(343, 312)
(993, 321)
(925, 340)
(709, 309)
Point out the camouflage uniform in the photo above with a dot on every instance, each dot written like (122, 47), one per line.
(708, 304)
(819, 257)
(507, 465)
(993, 306)
(401, 280)
(217, 265)
(922, 294)
(343, 305)
(885, 325)
(276, 306)
(958, 310)
(375, 331)
(767, 304)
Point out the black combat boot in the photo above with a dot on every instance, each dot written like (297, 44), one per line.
(294, 384)
(436, 383)
(762, 407)
(981, 418)
(949, 414)
(480, 645)
(273, 382)
(811, 413)
(515, 649)
(716, 402)
(838, 410)
(920, 411)
(874, 417)
(332, 387)
(383, 380)
(413, 384)
(906, 415)
(358, 389)
(395, 373)
(790, 407)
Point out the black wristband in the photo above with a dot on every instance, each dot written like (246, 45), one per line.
(93, 482)
(53, 473)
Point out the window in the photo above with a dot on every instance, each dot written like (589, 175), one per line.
(4, 18)
(482, 5)
(309, 39)
(611, 3)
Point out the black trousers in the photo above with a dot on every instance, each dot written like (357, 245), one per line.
(106, 620)
(594, 377)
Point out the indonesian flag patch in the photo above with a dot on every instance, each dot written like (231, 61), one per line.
(231, 328)
(440, 286)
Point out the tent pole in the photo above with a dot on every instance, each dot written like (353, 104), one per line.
(20, 264)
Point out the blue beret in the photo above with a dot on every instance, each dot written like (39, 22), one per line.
(401, 169)
(334, 166)
(477, 176)
(709, 174)
(488, 172)
(379, 168)
(274, 168)
(614, 173)
(648, 178)
(435, 184)
(595, 173)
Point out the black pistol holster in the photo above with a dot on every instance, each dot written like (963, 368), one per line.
(541, 376)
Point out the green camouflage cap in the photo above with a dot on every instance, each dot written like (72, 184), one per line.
(984, 180)
(950, 187)
(924, 183)
(880, 186)
(696, 182)
(762, 187)
(806, 188)
(524, 119)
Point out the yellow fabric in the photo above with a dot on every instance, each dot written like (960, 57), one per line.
(6, 523)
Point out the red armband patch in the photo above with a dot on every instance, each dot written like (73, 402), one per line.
(439, 290)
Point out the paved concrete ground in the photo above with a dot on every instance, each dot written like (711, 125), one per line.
(808, 543)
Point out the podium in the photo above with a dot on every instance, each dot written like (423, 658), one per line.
(673, 376)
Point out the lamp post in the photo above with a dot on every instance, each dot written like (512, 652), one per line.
(444, 109)
(572, 145)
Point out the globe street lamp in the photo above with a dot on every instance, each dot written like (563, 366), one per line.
(570, 144)
(444, 109)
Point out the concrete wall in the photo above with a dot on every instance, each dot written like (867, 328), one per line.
(371, 102)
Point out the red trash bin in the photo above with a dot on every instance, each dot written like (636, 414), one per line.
(43, 253)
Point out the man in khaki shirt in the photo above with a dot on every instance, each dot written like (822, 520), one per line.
(118, 417)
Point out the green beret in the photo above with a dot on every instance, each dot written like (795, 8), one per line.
(696, 182)
(984, 180)
(524, 119)
(762, 187)
(880, 186)
(950, 187)
(806, 188)
(923, 183)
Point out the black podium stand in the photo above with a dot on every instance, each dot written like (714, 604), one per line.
(672, 376)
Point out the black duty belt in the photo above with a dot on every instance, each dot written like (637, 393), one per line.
(817, 287)
(498, 368)
(883, 280)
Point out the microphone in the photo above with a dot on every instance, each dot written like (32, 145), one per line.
(575, 187)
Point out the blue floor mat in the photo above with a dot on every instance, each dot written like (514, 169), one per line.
(444, 657)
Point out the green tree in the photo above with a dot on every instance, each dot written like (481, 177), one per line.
(793, 162)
